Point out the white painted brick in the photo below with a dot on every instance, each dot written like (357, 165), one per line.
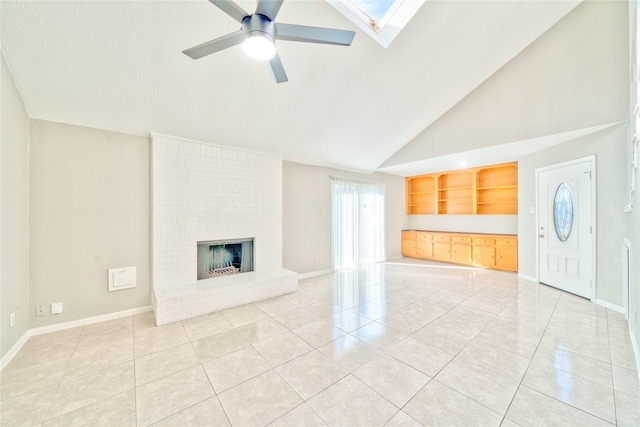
(207, 192)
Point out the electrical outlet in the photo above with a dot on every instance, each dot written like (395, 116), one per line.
(12, 319)
(315, 259)
(39, 311)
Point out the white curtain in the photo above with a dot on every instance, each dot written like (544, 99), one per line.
(357, 221)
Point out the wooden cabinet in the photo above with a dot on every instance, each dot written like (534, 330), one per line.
(484, 256)
(488, 190)
(409, 248)
(498, 252)
(507, 254)
(442, 251)
(461, 253)
(424, 249)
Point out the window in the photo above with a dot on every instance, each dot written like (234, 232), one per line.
(357, 222)
(381, 19)
(563, 212)
(376, 14)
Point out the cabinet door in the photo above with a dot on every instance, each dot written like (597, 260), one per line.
(442, 251)
(484, 256)
(507, 258)
(461, 253)
(424, 250)
(409, 248)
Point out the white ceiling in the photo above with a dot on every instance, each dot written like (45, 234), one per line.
(118, 66)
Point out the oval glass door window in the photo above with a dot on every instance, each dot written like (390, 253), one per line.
(563, 212)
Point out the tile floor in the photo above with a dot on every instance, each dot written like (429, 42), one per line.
(394, 344)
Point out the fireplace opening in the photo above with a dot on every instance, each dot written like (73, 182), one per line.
(218, 258)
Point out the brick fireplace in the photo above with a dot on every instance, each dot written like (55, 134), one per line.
(204, 192)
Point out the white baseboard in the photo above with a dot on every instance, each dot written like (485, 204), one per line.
(314, 274)
(14, 350)
(529, 278)
(67, 325)
(88, 321)
(636, 351)
(610, 306)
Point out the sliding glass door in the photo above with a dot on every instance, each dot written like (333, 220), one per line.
(357, 222)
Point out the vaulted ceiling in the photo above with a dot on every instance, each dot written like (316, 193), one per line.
(118, 66)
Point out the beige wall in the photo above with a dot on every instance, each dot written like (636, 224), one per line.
(307, 215)
(498, 224)
(90, 211)
(609, 148)
(632, 219)
(14, 213)
(574, 76)
(632, 232)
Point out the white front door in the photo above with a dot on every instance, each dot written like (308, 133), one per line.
(566, 226)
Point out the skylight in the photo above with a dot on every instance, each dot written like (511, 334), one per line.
(381, 19)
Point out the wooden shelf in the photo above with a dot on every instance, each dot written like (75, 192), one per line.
(481, 191)
(455, 188)
(498, 188)
(494, 203)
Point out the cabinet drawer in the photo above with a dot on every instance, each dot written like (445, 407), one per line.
(461, 239)
(423, 237)
(441, 238)
(506, 241)
(409, 235)
(487, 241)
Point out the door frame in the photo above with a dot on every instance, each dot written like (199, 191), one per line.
(594, 205)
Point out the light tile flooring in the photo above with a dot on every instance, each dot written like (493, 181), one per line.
(393, 344)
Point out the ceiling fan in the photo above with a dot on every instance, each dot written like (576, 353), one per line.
(259, 33)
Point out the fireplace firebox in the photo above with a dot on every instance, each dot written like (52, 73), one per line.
(218, 258)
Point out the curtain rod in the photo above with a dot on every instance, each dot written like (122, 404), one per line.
(358, 180)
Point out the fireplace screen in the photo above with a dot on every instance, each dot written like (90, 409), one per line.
(223, 257)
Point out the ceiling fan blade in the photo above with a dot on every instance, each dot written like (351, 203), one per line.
(213, 46)
(231, 9)
(301, 33)
(269, 8)
(277, 70)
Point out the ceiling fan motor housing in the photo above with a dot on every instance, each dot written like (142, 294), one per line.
(258, 25)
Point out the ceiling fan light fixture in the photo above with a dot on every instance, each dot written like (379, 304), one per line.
(259, 45)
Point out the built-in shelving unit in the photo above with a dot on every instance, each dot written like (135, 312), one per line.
(484, 191)
(494, 251)
(422, 195)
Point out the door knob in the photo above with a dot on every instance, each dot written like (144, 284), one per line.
(542, 235)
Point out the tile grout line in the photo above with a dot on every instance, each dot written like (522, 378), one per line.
(520, 383)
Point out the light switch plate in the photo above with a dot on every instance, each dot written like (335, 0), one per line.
(122, 278)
